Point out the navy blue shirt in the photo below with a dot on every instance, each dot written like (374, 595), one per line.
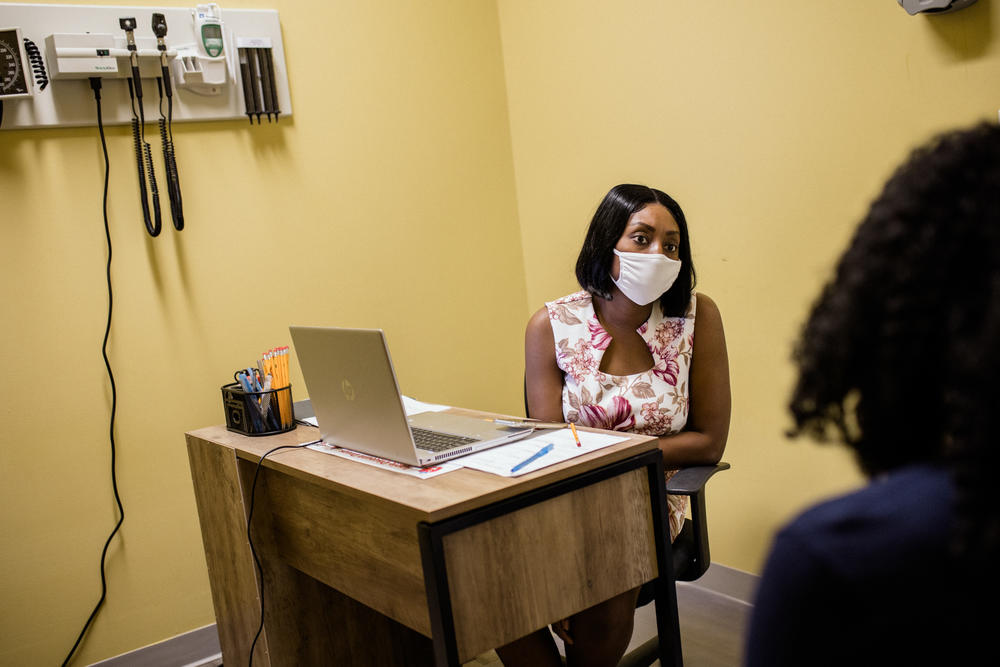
(866, 579)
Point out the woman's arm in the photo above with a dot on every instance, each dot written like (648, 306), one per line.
(703, 439)
(543, 378)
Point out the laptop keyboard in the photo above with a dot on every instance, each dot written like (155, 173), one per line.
(438, 442)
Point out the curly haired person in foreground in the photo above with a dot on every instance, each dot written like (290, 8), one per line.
(900, 359)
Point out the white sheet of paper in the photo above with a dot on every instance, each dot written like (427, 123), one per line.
(500, 460)
(413, 406)
(387, 464)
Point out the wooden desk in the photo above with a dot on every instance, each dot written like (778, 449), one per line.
(363, 566)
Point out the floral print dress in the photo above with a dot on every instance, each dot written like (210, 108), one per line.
(653, 402)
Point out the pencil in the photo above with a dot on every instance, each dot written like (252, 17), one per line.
(572, 427)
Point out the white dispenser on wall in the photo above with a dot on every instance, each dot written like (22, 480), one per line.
(201, 67)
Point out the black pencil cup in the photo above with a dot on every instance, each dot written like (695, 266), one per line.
(258, 412)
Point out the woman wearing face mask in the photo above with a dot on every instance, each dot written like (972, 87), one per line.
(638, 351)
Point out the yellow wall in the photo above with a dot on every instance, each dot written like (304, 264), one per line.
(774, 124)
(400, 195)
(386, 200)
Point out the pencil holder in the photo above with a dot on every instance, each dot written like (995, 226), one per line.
(258, 412)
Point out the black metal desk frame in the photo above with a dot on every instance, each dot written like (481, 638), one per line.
(436, 574)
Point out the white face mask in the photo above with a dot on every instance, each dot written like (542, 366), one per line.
(644, 277)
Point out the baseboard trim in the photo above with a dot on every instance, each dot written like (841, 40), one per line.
(736, 584)
(200, 647)
(197, 648)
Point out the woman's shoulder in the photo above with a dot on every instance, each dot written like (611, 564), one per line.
(539, 321)
(909, 508)
(579, 299)
(899, 494)
(572, 310)
(538, 334)
(557, 309)
(703, 304)
(709, 316)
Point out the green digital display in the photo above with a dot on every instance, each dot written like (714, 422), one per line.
(211, 38)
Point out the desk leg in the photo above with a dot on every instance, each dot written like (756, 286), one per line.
(219, 495)
(438, 596)
(667, 618)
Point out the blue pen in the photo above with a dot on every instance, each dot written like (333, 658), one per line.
(242, 379)
(537, 455)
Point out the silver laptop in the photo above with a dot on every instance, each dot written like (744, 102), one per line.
(357, 402)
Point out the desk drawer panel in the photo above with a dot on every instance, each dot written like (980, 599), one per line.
(368, 551)
(521, 571)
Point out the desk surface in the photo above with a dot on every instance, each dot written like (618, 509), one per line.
(434, 499)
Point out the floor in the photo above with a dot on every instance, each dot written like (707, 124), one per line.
(712, 628)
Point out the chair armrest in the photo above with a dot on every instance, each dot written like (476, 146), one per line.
(689, 481)
(691, 552)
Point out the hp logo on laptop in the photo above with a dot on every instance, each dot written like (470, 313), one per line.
(348, 389)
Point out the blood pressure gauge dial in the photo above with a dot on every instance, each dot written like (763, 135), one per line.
(14, 79)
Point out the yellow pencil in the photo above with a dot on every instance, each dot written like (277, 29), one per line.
(572, 427)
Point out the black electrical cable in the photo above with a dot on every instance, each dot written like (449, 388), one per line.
(95, 84)
(253, 551)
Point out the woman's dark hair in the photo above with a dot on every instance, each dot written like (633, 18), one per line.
(593, 266)
(900, 357)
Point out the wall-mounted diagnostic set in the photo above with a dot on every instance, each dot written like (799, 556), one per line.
(195, 63)
(204, 52)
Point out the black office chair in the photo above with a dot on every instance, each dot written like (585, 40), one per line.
(690, 550)
(691, 555)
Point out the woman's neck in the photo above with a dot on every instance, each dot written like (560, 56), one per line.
(620, 312)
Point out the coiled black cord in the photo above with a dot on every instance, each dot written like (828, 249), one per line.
(169, 160)
(37, 63)
(143, 154)
(95, 84)
(165, 146)
(153, 189)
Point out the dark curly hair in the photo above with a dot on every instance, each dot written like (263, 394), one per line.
(593, 266)
(900, 357)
